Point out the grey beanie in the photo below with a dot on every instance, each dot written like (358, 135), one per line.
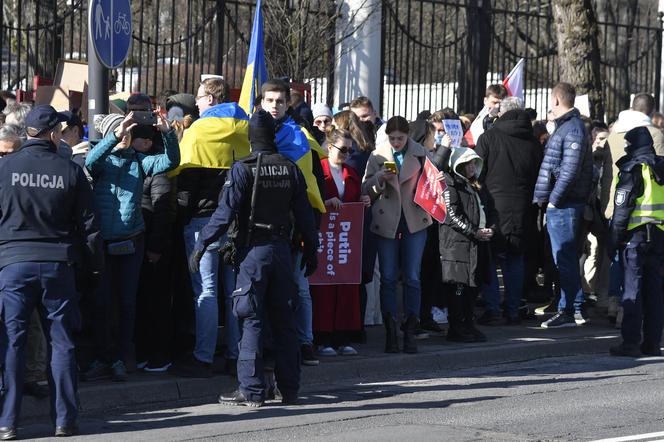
(321, 110)
(105, 124)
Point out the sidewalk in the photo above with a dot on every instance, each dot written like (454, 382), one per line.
(505, 344)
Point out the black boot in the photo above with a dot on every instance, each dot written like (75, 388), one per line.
(457, 331)
(409, 344)
(391, 341)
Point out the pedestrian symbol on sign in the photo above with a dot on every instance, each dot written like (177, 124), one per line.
(110, 29)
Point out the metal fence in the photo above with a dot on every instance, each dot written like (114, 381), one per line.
(427, 45)
(174, 42)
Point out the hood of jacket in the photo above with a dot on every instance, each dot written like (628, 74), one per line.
(629, 119)
(463, 155)
(515, 123)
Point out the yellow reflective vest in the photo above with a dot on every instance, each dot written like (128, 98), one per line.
(650, 205)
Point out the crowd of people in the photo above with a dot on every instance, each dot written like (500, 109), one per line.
(568, 209)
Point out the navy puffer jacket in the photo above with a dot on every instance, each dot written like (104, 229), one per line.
(566, 174)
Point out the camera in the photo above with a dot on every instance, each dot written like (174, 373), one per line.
(145, 118)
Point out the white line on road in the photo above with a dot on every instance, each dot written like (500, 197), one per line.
(632, 438)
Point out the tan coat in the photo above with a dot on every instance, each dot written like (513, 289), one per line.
(616, 142)
(397, 193)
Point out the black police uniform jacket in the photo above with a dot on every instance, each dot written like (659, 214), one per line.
(630, 182)
(47, 210)
(281, 196)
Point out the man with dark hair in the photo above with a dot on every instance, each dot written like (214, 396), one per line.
(300, 110)
(495, 93)
(48, 229)
(563, 186)
(263, 204)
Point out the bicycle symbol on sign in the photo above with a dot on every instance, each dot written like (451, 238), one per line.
(121, 23)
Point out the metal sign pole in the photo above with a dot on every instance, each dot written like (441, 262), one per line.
(97, 85)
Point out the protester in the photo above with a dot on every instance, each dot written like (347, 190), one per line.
(118, 165)
(363, 139)
(322, 121)
(637, 232)
(48, 229)
(400, 226)
(464, 242)
(563, 186)
(265, 286)
(16, 113)
(198, 190)
(336, 308)
(511, 158)
(300, 110)
(11, 138)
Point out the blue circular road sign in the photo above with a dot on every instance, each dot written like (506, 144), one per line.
(110, 29)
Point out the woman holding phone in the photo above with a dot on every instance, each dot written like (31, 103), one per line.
(401, 225)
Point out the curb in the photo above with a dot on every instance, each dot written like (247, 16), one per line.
(152, 391)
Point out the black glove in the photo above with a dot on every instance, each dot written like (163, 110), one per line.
(309, 263)
(195, 261)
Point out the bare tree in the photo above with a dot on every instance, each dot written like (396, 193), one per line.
(578, 50)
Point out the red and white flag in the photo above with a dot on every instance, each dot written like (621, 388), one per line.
(514, 80)
(514, 85)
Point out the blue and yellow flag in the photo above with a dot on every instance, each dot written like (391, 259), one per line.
(218, 138)
(256, 73)
(296, 144)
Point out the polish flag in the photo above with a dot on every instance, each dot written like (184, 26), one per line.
(514, 85)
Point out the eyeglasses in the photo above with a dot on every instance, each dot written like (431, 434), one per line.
(198, 97)
(323, 122)
(344, 150)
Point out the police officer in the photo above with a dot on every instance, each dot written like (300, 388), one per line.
(47, 227)
(262, 208)
(637, 229)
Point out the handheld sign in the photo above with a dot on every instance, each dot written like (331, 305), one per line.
(109, 25)
(454, 130)
(429, 193)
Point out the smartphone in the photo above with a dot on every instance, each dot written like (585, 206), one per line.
(145, 118)
(390, 165)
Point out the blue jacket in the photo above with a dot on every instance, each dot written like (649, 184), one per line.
(566, 173)
(118, 182)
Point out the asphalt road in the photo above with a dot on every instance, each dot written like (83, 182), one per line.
(587, 397)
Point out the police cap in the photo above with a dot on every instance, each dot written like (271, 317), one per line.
(42, 118)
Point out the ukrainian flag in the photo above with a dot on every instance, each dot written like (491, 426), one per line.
(295, 143)
(256, 73)
(218, 138)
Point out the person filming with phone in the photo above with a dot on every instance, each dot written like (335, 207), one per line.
(118, 166)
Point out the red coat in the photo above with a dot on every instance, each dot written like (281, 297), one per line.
(352, 181)
(336, 308)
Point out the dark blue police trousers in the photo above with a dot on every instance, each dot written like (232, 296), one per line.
(48, 286)
(643, 301)
(265, 297)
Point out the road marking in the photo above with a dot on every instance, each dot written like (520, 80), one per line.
(633, 438)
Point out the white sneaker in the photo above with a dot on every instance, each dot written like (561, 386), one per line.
(327, 351)
(347, 350)
(157, 369)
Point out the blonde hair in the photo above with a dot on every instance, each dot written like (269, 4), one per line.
(181, 126)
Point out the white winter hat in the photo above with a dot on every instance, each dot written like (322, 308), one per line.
(321, 110)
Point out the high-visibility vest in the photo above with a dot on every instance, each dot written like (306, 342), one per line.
(650, 205)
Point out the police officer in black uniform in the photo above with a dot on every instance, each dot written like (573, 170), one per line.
(637, 229)
(265, 292)
(47, 228)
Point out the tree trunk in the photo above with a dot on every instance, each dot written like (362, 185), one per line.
(578, 50)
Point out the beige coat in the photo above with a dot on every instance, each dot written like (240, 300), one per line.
(397, 193)
(616, 142)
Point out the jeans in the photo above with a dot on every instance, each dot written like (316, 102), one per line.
(562, 224)
(408, 249)
(513, 275)
(115, 306)
(205, 285)
(303, 311)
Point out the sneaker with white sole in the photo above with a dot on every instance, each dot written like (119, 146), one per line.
(157, 368)
(327, 351)
(581, 318)
(560, 320)
(346, 350)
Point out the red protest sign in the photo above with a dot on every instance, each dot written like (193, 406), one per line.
(340, 246)
(429, 193)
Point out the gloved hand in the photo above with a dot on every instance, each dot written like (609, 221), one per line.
(309, 263)
(195, 261)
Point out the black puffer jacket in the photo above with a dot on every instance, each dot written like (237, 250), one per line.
(198, 192)
(158, 206)
(512, 158)
(464, 259)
